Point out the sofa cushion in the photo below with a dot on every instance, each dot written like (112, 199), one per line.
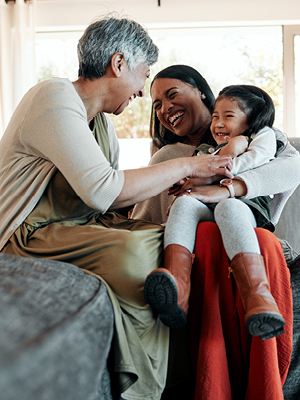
(291, 387)
(289, 222)
(56, 330)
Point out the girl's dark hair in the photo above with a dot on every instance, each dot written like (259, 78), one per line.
(161, 135)
(255, 103)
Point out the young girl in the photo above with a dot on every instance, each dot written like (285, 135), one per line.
(241, 126)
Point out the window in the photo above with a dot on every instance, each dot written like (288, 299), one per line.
(224, 56)
(291, 68)
(297, 82)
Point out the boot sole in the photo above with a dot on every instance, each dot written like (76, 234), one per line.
(265, 325)
(161, 294)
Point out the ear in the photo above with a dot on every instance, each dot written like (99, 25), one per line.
(117, 64)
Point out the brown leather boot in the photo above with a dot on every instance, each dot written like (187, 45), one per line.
(262, 315)
(167, 289)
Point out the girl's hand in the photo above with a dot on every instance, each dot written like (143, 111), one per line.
(235, 146)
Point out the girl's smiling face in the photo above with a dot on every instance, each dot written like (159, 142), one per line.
(227, 120)
(179, 107)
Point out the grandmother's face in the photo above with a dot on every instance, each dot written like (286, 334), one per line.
(179, 107)
(131, 84)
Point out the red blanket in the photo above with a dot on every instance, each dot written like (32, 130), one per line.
(229, 363)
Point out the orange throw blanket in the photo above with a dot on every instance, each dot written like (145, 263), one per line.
(229, 363)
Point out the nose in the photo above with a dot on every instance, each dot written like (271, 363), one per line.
(141, 93)
(220, 123)
(166, 106)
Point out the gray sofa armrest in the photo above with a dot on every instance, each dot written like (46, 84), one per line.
(56, 327)
(289, 222)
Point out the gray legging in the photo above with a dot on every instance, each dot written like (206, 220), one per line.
(233, 217)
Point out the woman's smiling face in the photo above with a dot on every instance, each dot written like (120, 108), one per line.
(179, 107)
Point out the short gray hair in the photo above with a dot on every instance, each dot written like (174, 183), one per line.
(103, 38)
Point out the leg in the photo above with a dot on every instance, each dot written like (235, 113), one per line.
(167, 289)
(226, 358)
(236, 223)
(122, 251)
(185, 214)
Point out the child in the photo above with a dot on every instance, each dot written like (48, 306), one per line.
(242, 113)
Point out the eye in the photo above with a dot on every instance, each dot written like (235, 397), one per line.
(172, 95)
(229, 116)
(157, 107)
(214, 116)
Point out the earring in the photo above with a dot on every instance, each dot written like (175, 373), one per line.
(203, 96)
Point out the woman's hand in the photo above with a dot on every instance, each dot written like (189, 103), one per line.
(207, 165)
(211, 193)
(176, 188)
(207, 194)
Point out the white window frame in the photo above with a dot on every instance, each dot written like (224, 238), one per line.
(289, 121)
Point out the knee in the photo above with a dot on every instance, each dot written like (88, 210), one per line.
(139, 253)
(183, 203)
(227, 207)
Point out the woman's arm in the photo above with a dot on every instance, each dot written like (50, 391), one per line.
(154, 209)
(279, 175)
(211, 193)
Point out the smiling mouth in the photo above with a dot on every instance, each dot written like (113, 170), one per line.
(221, 134)
(175, 118)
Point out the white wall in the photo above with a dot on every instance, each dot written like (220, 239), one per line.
(210, 12)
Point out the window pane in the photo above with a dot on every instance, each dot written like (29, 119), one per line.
(297, 83)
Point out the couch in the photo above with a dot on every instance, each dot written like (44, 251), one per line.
(56, 326)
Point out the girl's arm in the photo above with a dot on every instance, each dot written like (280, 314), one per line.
(235, 146)
(261, 150)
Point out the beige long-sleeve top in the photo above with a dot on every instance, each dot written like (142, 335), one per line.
(49, 131)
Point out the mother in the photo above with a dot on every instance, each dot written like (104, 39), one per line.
(228, 363)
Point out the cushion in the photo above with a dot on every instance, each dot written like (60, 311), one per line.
(56, 327)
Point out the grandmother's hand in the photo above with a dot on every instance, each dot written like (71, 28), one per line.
(208, 165)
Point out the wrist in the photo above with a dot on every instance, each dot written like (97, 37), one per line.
(240, 188)
(228, 184)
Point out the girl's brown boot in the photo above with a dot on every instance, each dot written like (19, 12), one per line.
(167, 289)
(262, 317)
